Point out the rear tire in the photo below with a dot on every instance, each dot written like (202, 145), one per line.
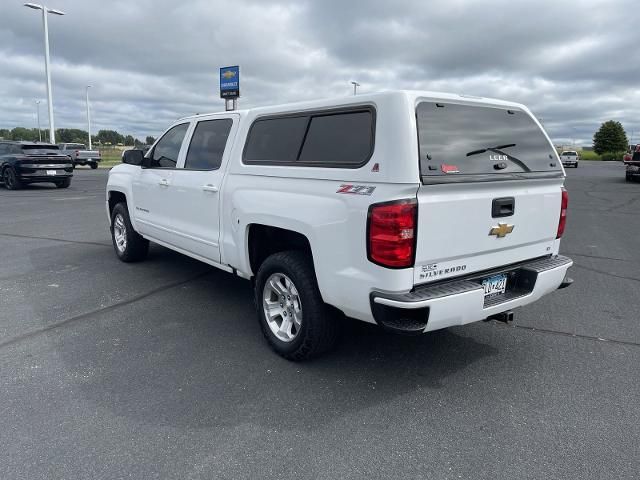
(293, 317)
(129, 245)
(63, 183)
(94, 166)
(11, 180)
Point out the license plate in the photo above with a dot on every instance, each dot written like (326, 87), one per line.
(51, 172)
(494, 285)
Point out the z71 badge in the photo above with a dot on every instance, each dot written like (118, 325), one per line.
(356, 189)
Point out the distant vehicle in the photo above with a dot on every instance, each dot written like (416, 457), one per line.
(415, 211)
(632, 161)
(22, 163)
(570, 158)
(80, 155)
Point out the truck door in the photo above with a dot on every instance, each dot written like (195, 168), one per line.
(194, 195)
(151, 187)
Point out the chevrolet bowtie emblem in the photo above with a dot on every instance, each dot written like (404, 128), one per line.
(502, 230)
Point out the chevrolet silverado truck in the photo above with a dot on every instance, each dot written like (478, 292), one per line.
(415, 211)
(22, 163)
(80, 155)
(570, 158)
(632, 164)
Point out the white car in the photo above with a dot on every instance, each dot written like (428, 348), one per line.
(570, 158)
(413, 210)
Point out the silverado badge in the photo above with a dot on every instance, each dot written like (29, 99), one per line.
(502, 230)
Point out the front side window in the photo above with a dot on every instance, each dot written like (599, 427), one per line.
(457, 140)
(207, 144)
(165, 154)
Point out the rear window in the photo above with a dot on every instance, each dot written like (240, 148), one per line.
(456, 140)
(39, 147)
(570, 154)
(340, 139)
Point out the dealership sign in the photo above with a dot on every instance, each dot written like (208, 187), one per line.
(230, 82)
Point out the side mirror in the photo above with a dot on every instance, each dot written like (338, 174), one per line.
(132, 157)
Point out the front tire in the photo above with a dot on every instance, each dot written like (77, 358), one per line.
(129, 245)
(11, 180)
(293, 317)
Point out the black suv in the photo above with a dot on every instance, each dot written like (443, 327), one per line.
(30, 162)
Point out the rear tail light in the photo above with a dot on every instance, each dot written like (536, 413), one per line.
(391, 233)
(77, 152)
(563, 213)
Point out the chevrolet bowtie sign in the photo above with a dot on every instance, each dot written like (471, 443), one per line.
(502, 230)
(230, 82)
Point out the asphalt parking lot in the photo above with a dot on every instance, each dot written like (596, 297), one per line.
(158, 369)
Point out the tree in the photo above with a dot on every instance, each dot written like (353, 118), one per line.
(128, 140)
(150, 140)
(71, 135)
(110, 136)
(610, 138)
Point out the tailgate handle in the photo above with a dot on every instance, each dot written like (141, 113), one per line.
(503, 207)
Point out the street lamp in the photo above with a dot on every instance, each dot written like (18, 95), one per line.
(88, 117)
(45, 10)
(38, 115)
(355, 87)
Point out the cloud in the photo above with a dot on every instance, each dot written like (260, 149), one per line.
(575, 63)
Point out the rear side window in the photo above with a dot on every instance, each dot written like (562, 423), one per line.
(344, 139)
(456, 140)
(166, 151)
(340, 139)
(207, 144)
(275, 140)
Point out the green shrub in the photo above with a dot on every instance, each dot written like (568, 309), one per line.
(589, 155)
(611, 156)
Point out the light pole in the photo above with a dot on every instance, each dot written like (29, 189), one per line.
(38, 115)
(355, 87)
(45, 10)
(88, 116)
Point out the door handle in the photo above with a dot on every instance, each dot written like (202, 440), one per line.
(163, 183)
(209, 188)
(503, 207)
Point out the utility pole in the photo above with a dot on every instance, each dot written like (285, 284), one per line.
(355, 87)
(45, 25)
(38, 115)
(88, 116)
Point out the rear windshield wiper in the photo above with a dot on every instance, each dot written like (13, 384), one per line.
(483, 150)
(498, 149)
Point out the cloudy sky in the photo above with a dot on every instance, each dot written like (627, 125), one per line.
(575, 63)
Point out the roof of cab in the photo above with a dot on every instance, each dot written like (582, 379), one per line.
(360, 99)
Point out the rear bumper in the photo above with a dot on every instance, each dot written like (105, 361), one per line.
(83, 161)
(462, 301)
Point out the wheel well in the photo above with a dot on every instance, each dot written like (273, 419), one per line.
(116, 198)
(265, 240)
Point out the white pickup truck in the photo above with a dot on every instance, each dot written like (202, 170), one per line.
(80, 155)
(413, 210)
(570, 158)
